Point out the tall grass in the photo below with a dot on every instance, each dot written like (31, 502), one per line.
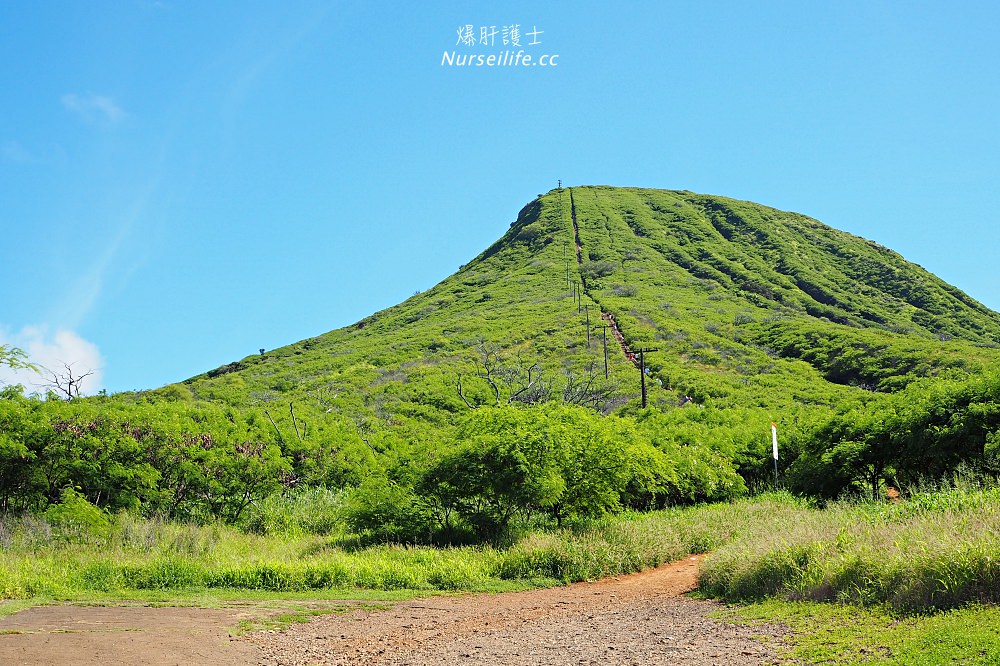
(39, 558)
(633, 542)
(937, 549)
(136, 554)
(310, 510)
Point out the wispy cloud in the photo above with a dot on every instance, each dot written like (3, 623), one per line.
(88, 286)
(53, 353)
(94, 108)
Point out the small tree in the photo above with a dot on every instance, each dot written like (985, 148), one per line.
(509, 380)
(67, 383)
(566, 461)
(506, 464)
(513, 380)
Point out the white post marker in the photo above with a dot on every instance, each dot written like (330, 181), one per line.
(774, 444)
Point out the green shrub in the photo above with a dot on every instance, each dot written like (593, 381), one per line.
(381, 510)
(76, 519)
(597, 269)
(309, 510)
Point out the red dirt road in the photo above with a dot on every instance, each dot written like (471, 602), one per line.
(639, 619)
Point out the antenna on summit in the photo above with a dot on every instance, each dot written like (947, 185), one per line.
(560, 183)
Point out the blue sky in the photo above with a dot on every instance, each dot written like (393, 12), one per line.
(182, 183)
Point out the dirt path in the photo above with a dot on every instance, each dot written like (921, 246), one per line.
(78, 635)
(638, 619)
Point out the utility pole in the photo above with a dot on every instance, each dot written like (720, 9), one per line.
(605, 327)
(774, 444)
(642, 370)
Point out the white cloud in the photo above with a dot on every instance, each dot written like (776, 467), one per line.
(52, 353)
(94, 108)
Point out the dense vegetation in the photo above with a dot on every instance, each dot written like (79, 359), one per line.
(938, 550)
(888, 563)
(479, 414)
(484, 401)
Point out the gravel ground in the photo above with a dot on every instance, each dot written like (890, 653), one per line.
(638, 619)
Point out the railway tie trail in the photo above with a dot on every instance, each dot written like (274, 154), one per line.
(607, 316)
(610, 318)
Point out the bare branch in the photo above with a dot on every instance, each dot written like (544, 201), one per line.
(514, 381)
(268, 415)
(488, 365)
(531, 382)
(364, 430)
(67, 382)
(461, 393)
(291, 409)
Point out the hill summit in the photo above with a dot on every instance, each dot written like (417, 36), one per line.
(744, 305)
(615, 348)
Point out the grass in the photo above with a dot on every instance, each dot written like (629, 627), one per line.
(938, 550)
(288, 614)
(911, 583)
(151, 559)
(848, 634)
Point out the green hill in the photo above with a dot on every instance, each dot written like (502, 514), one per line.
(747, 305)
(874, 369)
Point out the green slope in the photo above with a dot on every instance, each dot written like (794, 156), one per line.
(747, 305)
(874, 370)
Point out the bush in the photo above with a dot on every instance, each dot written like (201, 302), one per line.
(315, 510)
(76, 519)
(380, 510)
(624, 290)
(597, 269)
